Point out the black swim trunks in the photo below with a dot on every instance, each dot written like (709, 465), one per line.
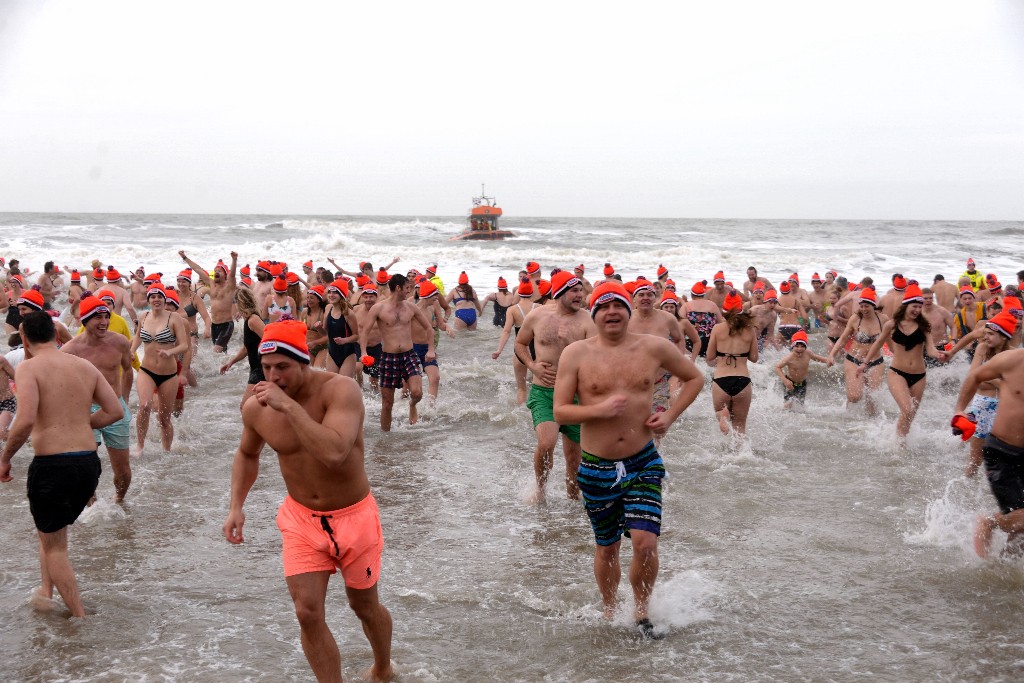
(1004, 467)
(221, 333)
(60, 486)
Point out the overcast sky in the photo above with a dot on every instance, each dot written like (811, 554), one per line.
(751, 109)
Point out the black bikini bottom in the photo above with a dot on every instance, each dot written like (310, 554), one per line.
(732, 385)
(911, 378)
(159, 379)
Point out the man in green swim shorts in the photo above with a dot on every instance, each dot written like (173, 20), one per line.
(551, 329)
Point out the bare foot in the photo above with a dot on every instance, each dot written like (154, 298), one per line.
(608, 611)
(42, 602)
(137, 451)
(414, 416)
(379, 676)
(723, 420)
(983, 536)
(536, 498)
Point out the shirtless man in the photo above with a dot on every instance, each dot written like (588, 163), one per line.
(55, 391)
(110, 354)
(765, 316)
(1004, 447)
(74, 294)
(398, 362)
(945, 293)
(222, 297)
(429, 305)
(551, 329)
(646, 319)
(802, 297)
(263, 286)
(45, 282)
(621, 471)
(817, 298)
(587, 287)
(367, 299)
(791, 312)
(314, 420)
(137, 289)
(752, 279)
(122, 299)
(718, 293)
(893, 299)
(939, 318)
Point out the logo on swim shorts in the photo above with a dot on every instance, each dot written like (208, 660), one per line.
(268, 347)
(368, 573)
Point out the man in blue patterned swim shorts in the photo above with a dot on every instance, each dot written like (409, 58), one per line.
(620, 474)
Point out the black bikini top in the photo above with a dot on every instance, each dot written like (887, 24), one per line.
(908, 341)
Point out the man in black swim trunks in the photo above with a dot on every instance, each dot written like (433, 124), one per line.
(55, 392)
(1004, 448)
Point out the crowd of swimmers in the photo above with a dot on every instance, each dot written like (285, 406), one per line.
(608, 364)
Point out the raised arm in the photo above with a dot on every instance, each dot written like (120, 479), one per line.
(204, 277)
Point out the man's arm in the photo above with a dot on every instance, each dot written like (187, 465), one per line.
(992, 369)
(244, 471)
(364, 328)
(232, 282)
(204, 277)
(103, 395)
(24, 420)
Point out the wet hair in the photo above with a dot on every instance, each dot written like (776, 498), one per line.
(617, 277)
(1020, 276)
(752, 268)
(324, 276)
(738, 321)
(901, 314)
(14, 340)
(38, 328)
(48, 267)
(246, 302)
(939, 277)
(867, 281)
(468, 289)
(396, 282)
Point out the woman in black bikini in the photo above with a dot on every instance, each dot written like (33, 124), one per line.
(911, 336)
(732, 343)
(164, 335)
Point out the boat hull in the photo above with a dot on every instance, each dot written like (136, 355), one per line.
(483, 235)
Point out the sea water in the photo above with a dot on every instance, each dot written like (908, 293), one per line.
(816, 551)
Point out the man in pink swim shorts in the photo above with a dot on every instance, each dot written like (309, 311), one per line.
(329, 519)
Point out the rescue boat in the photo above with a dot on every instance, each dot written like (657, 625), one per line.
(483, 220)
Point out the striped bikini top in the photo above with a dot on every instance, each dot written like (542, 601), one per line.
(164, 336)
